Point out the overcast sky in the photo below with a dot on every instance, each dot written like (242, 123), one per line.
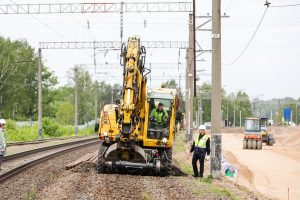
(268, 69)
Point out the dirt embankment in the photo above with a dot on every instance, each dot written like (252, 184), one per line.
(274, 170)
(287, 136)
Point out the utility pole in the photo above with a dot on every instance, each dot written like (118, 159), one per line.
(240, 118)
(233, 124)
(76, 100)
(112, 96)
(227, 113)
(200, 110)
(260, 111)
(194, 47)
(278, 110)
(189, 83)
(96, 101)
(296, 120)
(179, 88)
(216, 115)
(40, 114)
(254, 109)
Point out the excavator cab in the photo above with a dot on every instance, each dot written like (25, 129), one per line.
(161, 134)
(158, 130)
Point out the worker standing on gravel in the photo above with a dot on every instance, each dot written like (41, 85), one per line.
(2, 141)
(200, 147)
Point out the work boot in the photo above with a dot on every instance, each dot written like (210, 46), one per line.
(195, 175)
(201, 176)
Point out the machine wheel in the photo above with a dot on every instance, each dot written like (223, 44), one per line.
(244, 144)
(259, 145)
(249, 144)
(166, 162)
(254, 144)
(271, 142)
(100, 167)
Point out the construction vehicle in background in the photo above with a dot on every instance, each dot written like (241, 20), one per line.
(252, 134)
(139, 145)
(266, 136)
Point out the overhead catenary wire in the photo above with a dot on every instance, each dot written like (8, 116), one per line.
(43, 23)
(287, 5)
(46, 25)
(251, 39)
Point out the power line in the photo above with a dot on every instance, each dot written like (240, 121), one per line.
(288, 5)
(88, 24)
(249, 42)
(43, 23)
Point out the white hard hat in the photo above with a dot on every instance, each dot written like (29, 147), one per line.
(202, 127)
(2, 121)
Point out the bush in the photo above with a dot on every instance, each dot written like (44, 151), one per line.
(66, 130)
(25, 133)
(10, 124)
(51, 127)
(87, 131)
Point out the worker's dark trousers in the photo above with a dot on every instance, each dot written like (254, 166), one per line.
(194, 163)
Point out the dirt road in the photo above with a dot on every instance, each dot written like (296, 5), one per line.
(270, 171)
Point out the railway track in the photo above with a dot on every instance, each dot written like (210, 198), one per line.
(51, 152)
(41, 149)
(43, 140)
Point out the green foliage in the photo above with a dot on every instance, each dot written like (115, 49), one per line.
(18, 81)
(51, 127)
(10, 124)
(232, 104)
(30, 133)
(87, 131)
(26, 133)
(65, 113)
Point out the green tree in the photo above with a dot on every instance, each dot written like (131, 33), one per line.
(65, 113)
(18, 81)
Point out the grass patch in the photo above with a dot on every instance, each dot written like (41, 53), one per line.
(179, 148)
(205, 187)
(146, 196)
(13, 133)
(186, 168)
(31, 193)
(179, 143)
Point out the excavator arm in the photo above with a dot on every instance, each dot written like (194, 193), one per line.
(132, 103)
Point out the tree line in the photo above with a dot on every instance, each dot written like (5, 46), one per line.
(19, 86)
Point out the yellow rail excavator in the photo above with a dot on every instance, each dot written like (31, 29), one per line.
(139, 145)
